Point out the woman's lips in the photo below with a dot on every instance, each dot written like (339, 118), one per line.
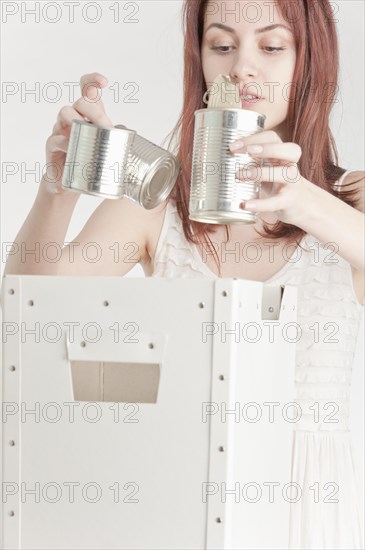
(250, 102)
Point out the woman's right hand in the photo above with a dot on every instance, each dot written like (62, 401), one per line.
(88, 107)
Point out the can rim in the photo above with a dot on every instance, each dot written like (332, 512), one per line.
(230, 110)
(148, 201)
(92, 125)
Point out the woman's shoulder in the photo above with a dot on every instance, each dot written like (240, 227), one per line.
(354, 175)
(158, 213)
(355, 180)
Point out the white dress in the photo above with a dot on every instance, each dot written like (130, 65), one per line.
(322, 450)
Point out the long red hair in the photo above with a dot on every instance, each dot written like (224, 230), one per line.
(314, 88)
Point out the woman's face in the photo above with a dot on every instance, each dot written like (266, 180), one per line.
(247, 55)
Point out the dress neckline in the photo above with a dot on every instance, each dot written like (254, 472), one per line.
(280, 272)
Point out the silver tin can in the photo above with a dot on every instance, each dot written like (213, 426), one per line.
(117, 162)
(215, 191)
(96, 160)
(152, 172)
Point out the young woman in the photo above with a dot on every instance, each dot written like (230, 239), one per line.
(305, 199)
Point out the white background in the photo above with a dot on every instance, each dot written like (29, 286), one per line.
(150, 54)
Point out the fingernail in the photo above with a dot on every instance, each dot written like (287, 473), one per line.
(236, 145)
(255, 148)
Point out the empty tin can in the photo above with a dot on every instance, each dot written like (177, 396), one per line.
(96, 159)
(116, 162)
(215, 191)
(152, 172)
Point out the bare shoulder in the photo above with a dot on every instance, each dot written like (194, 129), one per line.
(357, 179)
(355, 175)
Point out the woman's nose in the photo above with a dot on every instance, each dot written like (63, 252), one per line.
(244, 68)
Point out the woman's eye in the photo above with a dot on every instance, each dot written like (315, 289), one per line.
(223, 49)
(273, 49)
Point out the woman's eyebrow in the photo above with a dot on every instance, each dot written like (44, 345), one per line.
(257, 31)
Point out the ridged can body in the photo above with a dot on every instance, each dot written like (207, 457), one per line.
(215, 191)
(116, 162)
(97, 159)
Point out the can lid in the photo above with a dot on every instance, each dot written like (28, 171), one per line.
(158, 182)
(223, 94)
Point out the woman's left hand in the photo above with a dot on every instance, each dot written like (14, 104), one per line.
(292, 199)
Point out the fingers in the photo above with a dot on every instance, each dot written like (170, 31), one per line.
(286, 152)
(288, 174)
(267, 136)
(94, 112)
(90, 106)
(290, 152)
(90, 81)
(64, 120)
(274, 204)
(57, 143)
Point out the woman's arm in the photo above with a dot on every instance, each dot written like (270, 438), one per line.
(47, 222)
(331, 220)
(116, 233)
